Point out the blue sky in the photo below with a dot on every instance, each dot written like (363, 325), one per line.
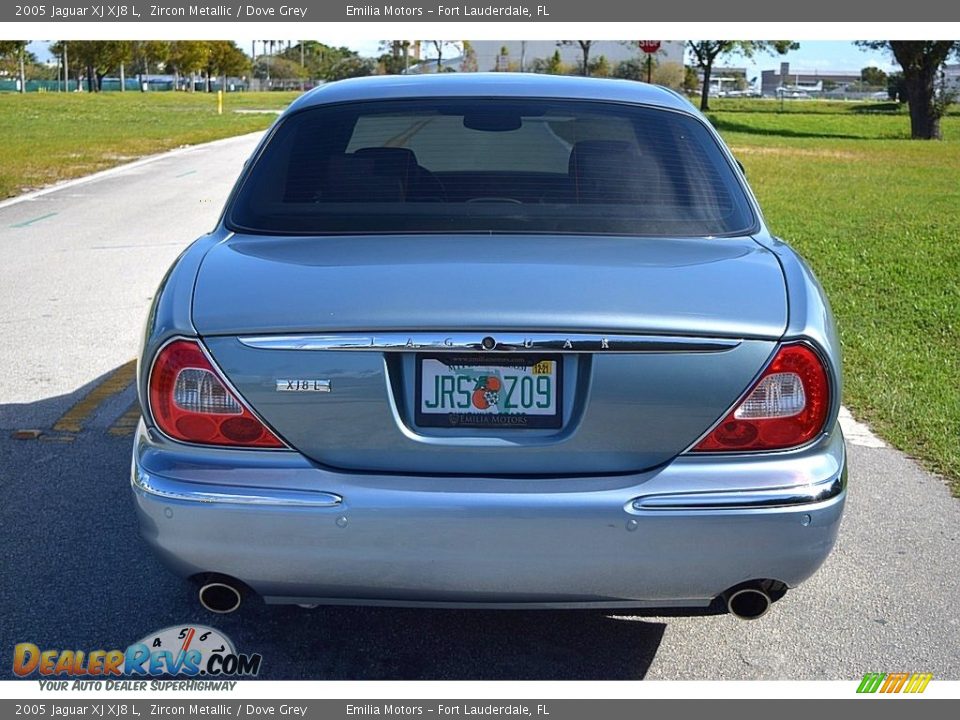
(812, 55)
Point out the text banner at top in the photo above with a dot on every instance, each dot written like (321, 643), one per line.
(507, 11)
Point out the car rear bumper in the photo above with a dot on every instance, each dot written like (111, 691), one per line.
(677, 536)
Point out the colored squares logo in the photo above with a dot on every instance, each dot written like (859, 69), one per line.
(894, 682)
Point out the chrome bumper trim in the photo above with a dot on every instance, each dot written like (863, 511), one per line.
(213, 494)
(745, 500)
(500, 342)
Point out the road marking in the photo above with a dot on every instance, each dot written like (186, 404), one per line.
(856, 433)
(188, 172)
(72, 420)
(126, 424)
(35, 220)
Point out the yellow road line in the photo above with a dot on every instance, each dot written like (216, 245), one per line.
(72, 420)
(126, 423)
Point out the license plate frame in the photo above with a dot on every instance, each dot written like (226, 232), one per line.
(487, 420)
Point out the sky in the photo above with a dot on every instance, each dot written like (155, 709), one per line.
(812, 55)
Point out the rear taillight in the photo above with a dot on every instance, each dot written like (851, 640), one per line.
(189, 401)
(785, 408)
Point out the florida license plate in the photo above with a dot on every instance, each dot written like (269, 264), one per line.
(515, 391)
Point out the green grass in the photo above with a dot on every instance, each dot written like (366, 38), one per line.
(879, 221)
(48, 137)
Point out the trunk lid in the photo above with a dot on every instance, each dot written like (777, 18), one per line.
(619, 411)
(724, 287)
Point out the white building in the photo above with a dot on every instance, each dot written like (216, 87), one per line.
(951, 77)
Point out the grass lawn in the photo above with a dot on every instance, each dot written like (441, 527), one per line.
(877, 215)
(49, 137)
(879, 221)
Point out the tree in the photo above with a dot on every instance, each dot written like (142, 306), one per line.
(552, 65)
(873, 76)
(555, 64)
(99, 58)
(338, 63)
(394, 56)
(280, 68)
(226, 59)
(706, 52)
(469, 63)
(896, 90)
(691, 81)
(350, 67)
(632, 69)
(17, 51)
(921, 61)
(316, 59)
(440, 46)
(585, 46)
(146, 55)
(188, 57)
(670, 74)
(601, 67)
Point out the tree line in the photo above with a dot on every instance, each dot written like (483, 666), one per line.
(919, 83)
(200, 61)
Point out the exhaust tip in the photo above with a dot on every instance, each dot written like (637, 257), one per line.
(219, 597)
(748, 603)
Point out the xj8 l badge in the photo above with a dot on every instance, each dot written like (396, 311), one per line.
(303, 385)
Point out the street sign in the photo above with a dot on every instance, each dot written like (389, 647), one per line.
(649, 46)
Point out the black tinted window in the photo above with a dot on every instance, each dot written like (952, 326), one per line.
(487, 165)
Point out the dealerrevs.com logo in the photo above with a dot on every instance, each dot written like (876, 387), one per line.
(191, 651)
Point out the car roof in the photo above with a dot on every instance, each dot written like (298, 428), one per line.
(521, 85)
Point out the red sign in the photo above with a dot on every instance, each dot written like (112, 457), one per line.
(649, 46)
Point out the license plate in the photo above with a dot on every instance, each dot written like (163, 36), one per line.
(516, 391)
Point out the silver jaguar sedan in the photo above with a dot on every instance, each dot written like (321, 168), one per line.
(491, 340)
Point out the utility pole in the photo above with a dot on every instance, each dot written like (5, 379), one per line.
(66, 69)
(302, 69)
(23, 75)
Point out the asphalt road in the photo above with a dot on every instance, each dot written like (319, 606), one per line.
(77, 269)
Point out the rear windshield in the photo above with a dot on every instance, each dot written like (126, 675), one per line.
(489, 165)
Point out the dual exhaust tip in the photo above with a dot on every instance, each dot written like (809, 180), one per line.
(752, 600)
(749, 601)
(220, 597)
